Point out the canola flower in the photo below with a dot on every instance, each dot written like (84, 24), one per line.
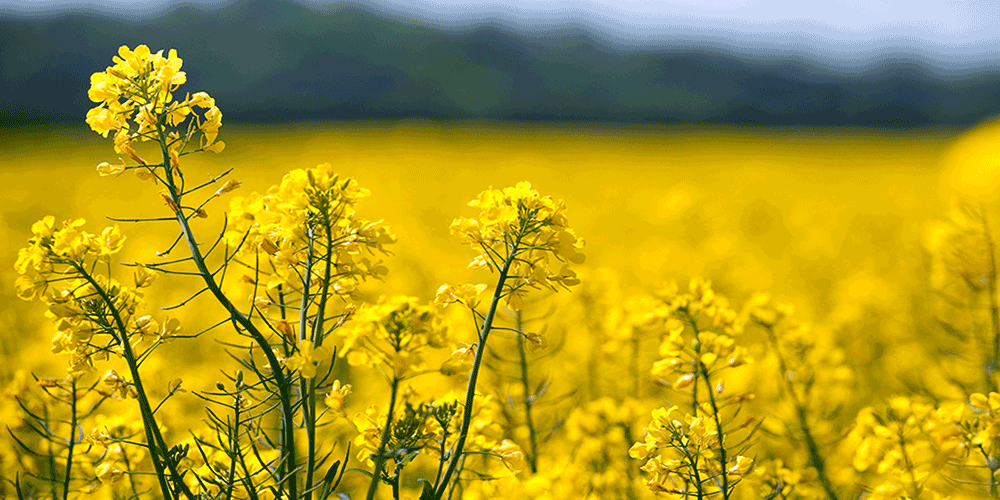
(693, 453)
(814, 384)
(519, 234)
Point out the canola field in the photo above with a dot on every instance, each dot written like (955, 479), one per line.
(761, 313)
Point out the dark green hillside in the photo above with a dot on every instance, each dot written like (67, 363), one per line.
(267, 60)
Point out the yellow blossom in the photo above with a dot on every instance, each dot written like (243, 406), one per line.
(335, 398)
(108, 473)
(306, 358)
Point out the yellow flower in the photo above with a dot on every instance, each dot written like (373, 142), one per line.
(742, 466)
(144, 276)
(110, 241)
(171, 328)
(306, 358)
(983, 402)
(202, 100)
(210, 127)
(135, 98)
(102, 121)
(229, 186)
(512, 456)
(30, 287)
(467, 294)
(459, 362)
(684, 381)
(215, 147)
(642, 450)
(70, 242)
(105, 169)
(335, 399)
(108, 473)
(519, 225)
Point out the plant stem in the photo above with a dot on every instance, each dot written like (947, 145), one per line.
(703, 371)
(815, 458)
(380, 454)
(470, 392)
(718, 430)
(234, 443)
(154, 441)
(529, 399)
(287, 451)
(909, 465)
(309, 388)
(395, 484)
(72, 440)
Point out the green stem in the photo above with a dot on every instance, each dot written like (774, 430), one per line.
(234, 444)
(395, 484)
(470, 392)
(703, 371)
(50, 455)
(307, 386)
(287, 452)
(718, 430)
(380, 454)
(154, 440)
(317, 337)
(72, 440)
(529, 398)
(815, 458)
(992, 466)
(629, 470)
(909, 464)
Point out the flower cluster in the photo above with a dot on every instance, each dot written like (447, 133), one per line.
(697, 339)
(681, 454)
(304, 223)
(431, 428)
(813, 385)
(136, 101)
(904, 446)
(697, 353)
(987, 427)
(83, 305)
(394, 331)
(596, 433)
(50, 246)
(525, 236)
(774, 476)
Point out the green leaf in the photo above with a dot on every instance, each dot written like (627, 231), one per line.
(331, 474)
(428, 493)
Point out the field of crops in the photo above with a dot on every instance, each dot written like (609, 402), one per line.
(762, 313)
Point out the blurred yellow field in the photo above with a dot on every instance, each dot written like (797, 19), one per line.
(854, 229)
(707, 197)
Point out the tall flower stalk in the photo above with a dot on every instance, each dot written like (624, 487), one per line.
(299, 240)
(701, 454)
(521, 235)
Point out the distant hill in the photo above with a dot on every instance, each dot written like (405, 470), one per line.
(270, 60)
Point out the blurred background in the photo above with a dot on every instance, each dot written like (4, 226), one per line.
(868, 63)
(767, 145)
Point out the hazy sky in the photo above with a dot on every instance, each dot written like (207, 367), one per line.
(968, 24)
